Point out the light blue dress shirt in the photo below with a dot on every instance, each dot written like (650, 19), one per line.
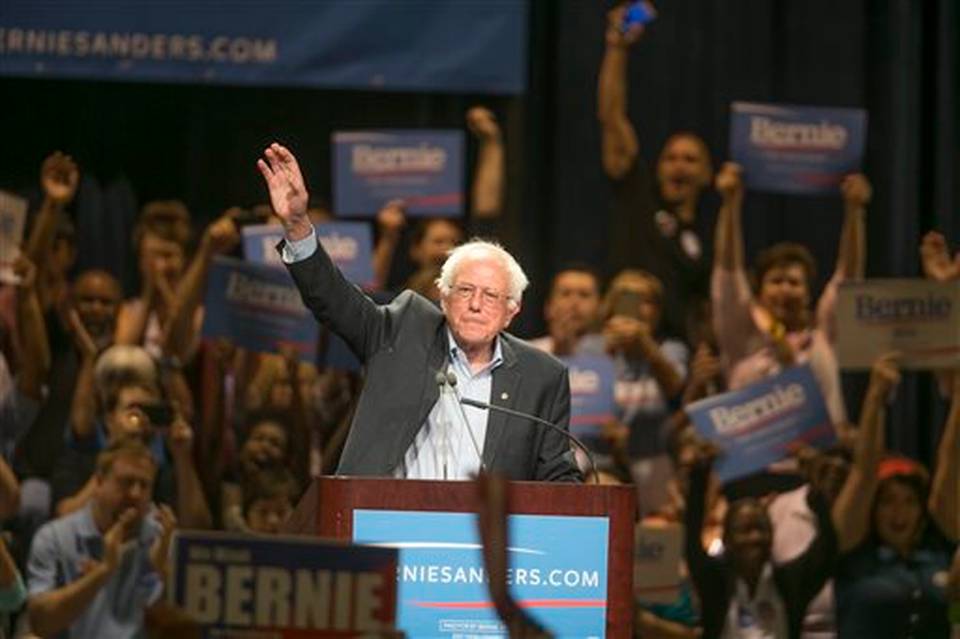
(446, 446)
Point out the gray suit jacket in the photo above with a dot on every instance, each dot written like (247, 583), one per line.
(402, 346)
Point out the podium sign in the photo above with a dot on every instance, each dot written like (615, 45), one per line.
(557, 571)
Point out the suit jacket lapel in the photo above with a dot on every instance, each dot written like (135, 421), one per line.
(436, 361)
(503, 392)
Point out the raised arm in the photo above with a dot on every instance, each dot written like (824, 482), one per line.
(619, 146)
(390, 223)
(707, 573)
(851, 510)
(488, 177)
(728, 239)
(9, 491)
(852, 252)
(31, 331)
(83, 405)
(180, 331)
(945, 489)
(59, 178)
(192, 508)
(330, 297)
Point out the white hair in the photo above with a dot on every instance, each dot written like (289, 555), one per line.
(122, 362)
(475, 250)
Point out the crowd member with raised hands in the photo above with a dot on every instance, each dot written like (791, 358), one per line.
(432, 238)
(167, 315)
(572, 312)
(98, 571)
(131, 401)
(655, 210)
(161, 240)
(743, 594)
(759, 333)
(51, 245)
(897, 530)
(24, 369)
(182, 330)
(650, 368)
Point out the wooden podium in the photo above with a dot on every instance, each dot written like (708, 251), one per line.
(327, 510)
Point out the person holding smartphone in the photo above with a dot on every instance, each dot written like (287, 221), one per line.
(652, 226)
(650, 368)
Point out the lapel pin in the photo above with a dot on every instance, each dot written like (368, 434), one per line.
(504, 396)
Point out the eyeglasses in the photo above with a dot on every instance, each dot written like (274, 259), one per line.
(488, 297)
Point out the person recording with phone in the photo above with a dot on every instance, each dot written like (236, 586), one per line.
(411, 421)
(130, 404)
(650, 369)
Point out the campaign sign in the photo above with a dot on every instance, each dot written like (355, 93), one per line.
(796, 149)
(349, 245)
(656, 563)
(756, 425)
(920, 319)
(281, 587)
(591, 394)
(13, 215)
(557, 571)
(424, 168)
(257, 307)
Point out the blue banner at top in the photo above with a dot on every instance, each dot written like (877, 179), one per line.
(428, 45)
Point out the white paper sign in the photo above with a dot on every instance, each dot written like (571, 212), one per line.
(918, 318)
(656, 563)
(13, 216)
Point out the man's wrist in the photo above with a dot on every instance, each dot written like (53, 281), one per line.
(297, 229)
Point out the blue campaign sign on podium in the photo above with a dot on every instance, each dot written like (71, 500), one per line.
(557, 571)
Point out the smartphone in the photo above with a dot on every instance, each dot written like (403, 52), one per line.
(160, 414)
(628, 303)
(638, 14)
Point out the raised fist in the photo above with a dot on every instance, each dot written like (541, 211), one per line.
(59, 177)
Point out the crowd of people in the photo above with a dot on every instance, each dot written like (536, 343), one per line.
(120, 424)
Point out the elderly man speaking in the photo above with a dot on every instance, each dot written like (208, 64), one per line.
(420, 359)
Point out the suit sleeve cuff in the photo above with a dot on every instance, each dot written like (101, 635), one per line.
(298, 250)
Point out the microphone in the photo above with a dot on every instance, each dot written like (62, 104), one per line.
(515, 413)
(447, 379)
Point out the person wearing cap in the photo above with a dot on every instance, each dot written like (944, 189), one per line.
(897, 529)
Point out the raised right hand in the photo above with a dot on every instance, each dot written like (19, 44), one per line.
(59, 177)
(729, 181)
(288, 193)
(615, 34)
(937, 264)
(391, 219)
(885, 374)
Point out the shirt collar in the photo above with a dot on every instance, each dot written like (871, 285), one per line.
(457, 354)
